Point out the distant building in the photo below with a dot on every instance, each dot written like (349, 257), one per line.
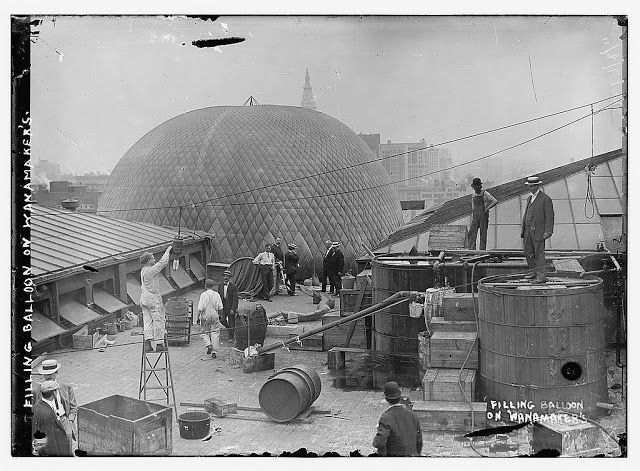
(422, 171)
(59, 191)
(308, 100)
(93, 181)
(373, 141)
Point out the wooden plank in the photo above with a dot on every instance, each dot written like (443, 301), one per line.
(439, 324)
(447, 415)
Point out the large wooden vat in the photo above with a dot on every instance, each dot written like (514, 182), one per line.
(394, 331)
(545, 346)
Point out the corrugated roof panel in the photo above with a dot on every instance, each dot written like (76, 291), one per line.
(64, 239)
(44, 328)
(196, 267)
(134, 288)
(76, 312)
(107, 301)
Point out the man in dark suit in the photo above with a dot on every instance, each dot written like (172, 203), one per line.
(399, 432)
(337, 269)
(50, 420)
(64, 394)
(228, 291)
(325, 266)
(537, 227)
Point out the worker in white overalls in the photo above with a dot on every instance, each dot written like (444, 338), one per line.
(151, 301)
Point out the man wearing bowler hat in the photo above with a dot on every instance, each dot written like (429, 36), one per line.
(63, 397)
(537, 227)
(399, 432)
(481, 203)
(228, 291)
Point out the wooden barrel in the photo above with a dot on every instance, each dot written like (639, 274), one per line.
(289, 392)
(394, 331)
(543, 348)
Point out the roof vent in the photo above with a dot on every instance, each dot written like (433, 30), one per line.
(70, 204)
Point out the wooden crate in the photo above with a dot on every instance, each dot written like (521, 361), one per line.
(235, 357)
(220, 407)
(442, 385)
(453, 416)
(458, 307)
(313, 343)
(439, 324)
(178, 330)
(449, 350)
(569, 439)
(123, 426)
(83, 341)
(265, 361)
(337, 336)
(282, 330)
(349, 298)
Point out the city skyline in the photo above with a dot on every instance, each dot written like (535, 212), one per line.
(406, 78)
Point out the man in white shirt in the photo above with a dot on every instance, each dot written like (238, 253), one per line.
(153, 316)
(266, 263)
(209, 305)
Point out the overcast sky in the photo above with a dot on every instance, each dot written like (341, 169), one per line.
(98, 84)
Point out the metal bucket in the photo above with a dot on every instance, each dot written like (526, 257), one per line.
(289, 392)
(194, 425)
(348, 281)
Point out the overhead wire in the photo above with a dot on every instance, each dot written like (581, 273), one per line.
(208, 202)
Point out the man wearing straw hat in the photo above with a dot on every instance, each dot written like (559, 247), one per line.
(64, 397)
(399, 432)
(537, 227)
(49, 419)
(153, 316)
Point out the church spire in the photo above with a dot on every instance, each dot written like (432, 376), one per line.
(308, 101)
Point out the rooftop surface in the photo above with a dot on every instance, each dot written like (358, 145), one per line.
(350, 426)
(63, 239)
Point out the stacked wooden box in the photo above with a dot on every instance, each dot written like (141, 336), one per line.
(442, 352)
(337, 336)
(349, 299)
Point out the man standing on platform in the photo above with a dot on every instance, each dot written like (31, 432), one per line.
(153, 316)
(399, 432)
(209, 305)
(266, 262)
(228, 291)
(537, 227)
(481, 203)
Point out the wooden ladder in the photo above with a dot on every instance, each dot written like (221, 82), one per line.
(150, 367)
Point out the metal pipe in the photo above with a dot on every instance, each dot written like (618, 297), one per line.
(400, 295)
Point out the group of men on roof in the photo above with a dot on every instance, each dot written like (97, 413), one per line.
(536, 228)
